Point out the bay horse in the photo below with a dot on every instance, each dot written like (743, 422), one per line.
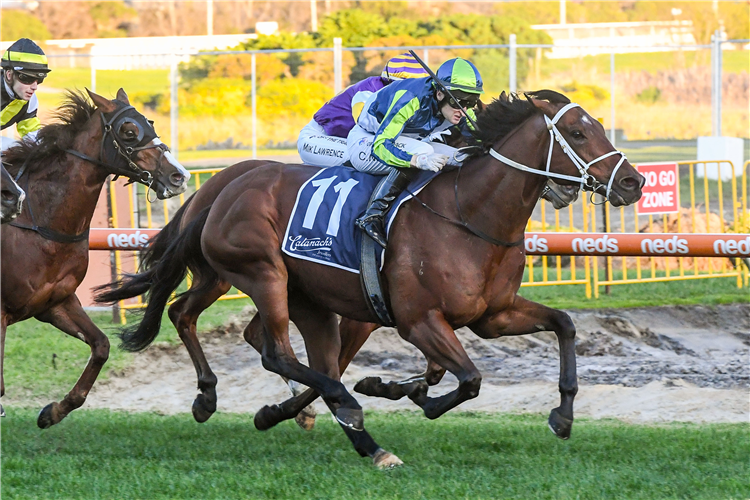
(11, 198)
(45, 251)
(186, 309)
(239, 238)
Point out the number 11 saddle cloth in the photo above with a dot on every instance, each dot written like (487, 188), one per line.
(321, 228)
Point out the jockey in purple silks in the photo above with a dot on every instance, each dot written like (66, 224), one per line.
(322, 142)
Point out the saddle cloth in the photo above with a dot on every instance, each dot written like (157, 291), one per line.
(321, 228)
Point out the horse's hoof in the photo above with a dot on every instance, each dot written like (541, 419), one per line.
(351, 418)
(203, 409)
(2, 411)
(49, 416)
(267, 417)
(559, 425)
(306, 418)
(385, 460)
(367, 386)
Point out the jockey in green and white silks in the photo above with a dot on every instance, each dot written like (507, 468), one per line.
(322, 142)
(24, 67)
(398, 131)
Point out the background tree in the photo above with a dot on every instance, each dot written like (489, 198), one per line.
(19, 24)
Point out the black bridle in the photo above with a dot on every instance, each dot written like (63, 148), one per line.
(109, 154)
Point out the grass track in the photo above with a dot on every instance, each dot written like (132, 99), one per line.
(100, 454)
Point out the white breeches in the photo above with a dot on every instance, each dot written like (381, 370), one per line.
(360, 142)
(317, 148)
(7, 142)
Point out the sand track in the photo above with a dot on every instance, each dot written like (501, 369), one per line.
(689, 364)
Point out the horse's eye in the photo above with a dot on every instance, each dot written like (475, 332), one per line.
(576, 134)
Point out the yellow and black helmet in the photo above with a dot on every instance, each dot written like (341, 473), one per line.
(27, 57)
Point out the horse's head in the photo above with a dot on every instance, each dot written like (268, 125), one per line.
(11, 199)
(130, 147)
(586, 152)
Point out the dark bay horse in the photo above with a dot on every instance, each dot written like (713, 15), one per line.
(430, 295)
(45, 251)
(11, 198)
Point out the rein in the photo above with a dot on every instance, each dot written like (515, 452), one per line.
(586, 180)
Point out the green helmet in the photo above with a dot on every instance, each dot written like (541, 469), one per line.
(460, 74)
(25, 56)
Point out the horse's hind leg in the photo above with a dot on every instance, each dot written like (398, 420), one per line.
(353, 335)
(71, 319)
(184, 316)
(269, 416)
(529, 317)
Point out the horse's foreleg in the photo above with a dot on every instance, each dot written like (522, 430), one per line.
(184, 316)
(71, 319)
(437, 341)
(529, 317)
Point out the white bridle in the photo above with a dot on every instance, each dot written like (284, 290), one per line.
(587, 180)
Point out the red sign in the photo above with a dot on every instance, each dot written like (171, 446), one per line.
(661, 192)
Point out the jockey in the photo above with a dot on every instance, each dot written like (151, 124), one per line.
(395, 132)
(24, 67)
(322, 142)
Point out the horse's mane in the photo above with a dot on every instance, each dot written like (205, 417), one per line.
(53, 139)
(509, 111)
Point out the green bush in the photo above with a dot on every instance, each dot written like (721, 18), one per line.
(649, 95)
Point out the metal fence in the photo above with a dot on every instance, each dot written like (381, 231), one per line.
(504, 64)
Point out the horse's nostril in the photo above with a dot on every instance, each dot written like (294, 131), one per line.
(632, 183)
(177, 179)
(8, 199)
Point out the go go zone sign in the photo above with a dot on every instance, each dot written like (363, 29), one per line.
(661, 192)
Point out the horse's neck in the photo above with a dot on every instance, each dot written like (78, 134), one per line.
(500, 199)
(64, 193)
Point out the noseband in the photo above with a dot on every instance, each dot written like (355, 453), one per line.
(132, 171)
(587, 181)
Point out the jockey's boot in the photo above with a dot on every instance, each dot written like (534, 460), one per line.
(373, 220)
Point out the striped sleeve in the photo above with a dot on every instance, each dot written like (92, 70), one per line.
(384, 147)
(29, 122)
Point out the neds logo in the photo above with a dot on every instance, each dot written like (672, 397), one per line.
(536, 244)
(136, 239)
(669, 245)
(733, 247)
(604, 244)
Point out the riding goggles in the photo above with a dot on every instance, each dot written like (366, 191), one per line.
(462, 103)
(27, 79)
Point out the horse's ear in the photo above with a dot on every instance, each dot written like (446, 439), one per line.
(545, 106)
(102, 103)
(122, 96)
(481, 105)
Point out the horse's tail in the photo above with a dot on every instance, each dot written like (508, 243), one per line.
(162, 278)
(133, 285)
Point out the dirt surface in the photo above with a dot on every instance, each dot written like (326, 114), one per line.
(686, 364)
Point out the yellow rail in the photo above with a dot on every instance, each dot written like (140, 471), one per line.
(712, 206)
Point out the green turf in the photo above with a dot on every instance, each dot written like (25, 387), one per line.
(705, 292)
(101, 454)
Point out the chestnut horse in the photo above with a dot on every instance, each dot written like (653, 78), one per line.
(45, 251)
(11, 198)
(430, 297)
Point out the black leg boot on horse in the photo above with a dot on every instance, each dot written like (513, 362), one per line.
(373, 220)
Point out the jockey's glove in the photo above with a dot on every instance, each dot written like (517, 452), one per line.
(433, 162)
(439, 136)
